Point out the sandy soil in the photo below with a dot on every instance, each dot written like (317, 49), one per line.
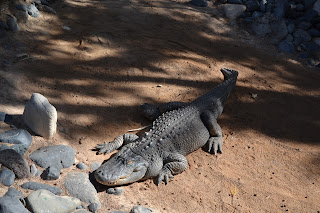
(120, 54)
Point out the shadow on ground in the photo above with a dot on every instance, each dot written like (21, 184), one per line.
(114, 48)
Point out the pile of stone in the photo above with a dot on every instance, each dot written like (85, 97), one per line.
(292, 25)
(21, 15)
(40, 117)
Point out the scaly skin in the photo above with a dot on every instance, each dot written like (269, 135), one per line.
(180, 130)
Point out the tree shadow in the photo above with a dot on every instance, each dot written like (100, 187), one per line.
(139, 42)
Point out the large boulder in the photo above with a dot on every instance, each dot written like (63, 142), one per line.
(44, 201)
(10, 204)
(14, 161)
(40, 116)
(233, 11)
(78, 185)
(316, 7)
(59, 156)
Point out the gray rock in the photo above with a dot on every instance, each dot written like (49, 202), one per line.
(304, 25)
(82, 211)
(304, 55)
(314, 32)
(10, 204)
(46, 9)
(16, 136)
(199, 3)
(44, 2)
(233, 11)
(78, 185)
(261, 26)
(19, 148)
(2, 116)
(81, 166)
(95, 165)
(38, 172)
(234, 1)
(3, 34)
(279, 30)
(12, 192)
(301, 36)
(281, 8)
(51, 173)
(310, 47)
(316, 40)
(40, 116)
(6, 177)
(290, 28)
(316, 7)
(299, 7)
(59, 156)
(33, 169)
(140, 209)
(263, 6)
(256, 14)
(12, 23)
(37, 186)
(21, 7)
(309, 3)
(44, 201)
(252, 5)
(93, 207)
(33, 11)
(289, 38)
(21, 16)
(115, 191)
(4, 25)
(287, 47)
(14, 161)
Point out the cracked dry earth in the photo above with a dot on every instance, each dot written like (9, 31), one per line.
(120, 54)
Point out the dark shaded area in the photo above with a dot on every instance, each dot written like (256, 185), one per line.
(124, 27)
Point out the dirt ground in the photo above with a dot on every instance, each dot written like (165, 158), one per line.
(97, 61)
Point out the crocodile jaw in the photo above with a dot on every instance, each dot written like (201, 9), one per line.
(119, 171)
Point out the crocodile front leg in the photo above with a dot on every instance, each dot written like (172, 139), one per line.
(152, 112)
(215, 141)
(116, 143)
(174, 164)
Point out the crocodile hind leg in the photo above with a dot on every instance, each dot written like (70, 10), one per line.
(214, 144)
(152, 112)
(173, 164)
(116, 143)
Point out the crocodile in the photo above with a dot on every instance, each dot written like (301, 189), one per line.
(179, 128)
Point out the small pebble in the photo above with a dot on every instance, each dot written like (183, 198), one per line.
(115, 191)
(81, 166)
(93, 207)
(33, 169)
(6, 177)
(33, 11)
(21, 7)
(13, 192)
(51, 173)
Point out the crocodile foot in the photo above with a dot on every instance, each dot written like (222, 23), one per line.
(214, 145)
(105, 148)
(164, 176)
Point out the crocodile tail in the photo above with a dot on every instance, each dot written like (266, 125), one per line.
(229, 73)
(215, 99)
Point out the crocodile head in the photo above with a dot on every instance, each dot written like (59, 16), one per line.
(122, 168)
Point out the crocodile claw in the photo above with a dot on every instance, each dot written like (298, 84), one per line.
(215, 145)
(105, 148)
(164, 176)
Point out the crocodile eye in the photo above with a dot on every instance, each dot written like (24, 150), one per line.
(129, 162)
